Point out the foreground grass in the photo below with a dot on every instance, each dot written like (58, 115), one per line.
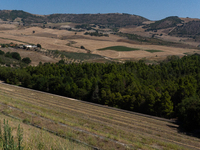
(34, 139)
(140, 132)
(119, 48)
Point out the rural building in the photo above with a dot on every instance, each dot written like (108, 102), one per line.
(30, 46)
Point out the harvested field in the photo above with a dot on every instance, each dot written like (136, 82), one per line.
(34, 137)
(53, 39)
(101, 126)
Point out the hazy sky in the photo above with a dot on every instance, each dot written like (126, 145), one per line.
(150, 9)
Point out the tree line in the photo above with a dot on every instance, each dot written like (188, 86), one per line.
(170, 89)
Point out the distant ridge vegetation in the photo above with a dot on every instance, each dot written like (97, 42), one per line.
(191, 28)
(174, 25)
(164, 23)
(11, 15)
(111, 19)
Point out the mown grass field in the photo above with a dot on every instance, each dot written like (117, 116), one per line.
(34, 138)
(120, 48)
(95, 125)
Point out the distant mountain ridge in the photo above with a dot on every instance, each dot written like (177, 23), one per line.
(11, 15)
(111, 19)
(175, 26)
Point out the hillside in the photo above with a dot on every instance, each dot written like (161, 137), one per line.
(11, 15)
(111, 19)
(164, 23)
(96, 125)
(191, 28)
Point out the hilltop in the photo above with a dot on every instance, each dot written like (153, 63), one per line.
(164, 23)
(110, 19)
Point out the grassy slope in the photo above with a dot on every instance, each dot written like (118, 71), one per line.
(98, 126)
(10, 61)
(112, 19)
(34, 138)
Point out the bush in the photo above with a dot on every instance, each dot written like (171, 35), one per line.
(16, 55)
(38, 45)
(26, 60)
(3, 45)
(2, 52)
(189, 113)
(8, 54)
(82, 47)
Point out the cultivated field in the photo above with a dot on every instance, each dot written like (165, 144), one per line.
(34, 138)
(71, 41)
(99, 126)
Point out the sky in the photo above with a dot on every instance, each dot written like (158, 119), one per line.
(150, 9)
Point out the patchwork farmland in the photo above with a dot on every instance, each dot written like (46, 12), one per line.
(99, 126)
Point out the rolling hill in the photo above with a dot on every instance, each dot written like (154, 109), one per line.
(110, 19)
(164, 23)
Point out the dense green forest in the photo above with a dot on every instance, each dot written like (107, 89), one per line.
(170, 89)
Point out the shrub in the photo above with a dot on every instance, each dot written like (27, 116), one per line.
(26, 60)
(2, 52)
(3, 45)
(38, 45)
(16, 55)
(82, 47)
(8, 54)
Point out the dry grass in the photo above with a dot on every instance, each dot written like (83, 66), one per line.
(34, 139)
(138, 131)
(33, 55)
(59, 40)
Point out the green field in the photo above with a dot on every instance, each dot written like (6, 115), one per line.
(153, 51)
(119, 48)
